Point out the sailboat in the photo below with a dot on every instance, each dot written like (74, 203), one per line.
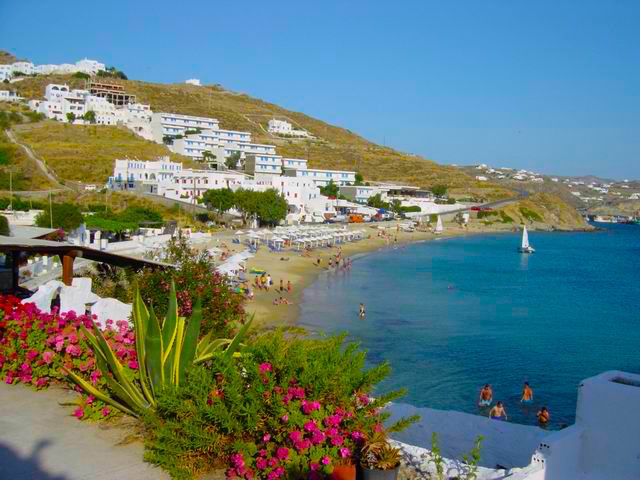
(525, 247)
(439, 227)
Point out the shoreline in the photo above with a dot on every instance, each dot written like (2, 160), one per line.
(302, 272)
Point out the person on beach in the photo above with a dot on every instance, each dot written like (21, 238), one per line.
(318, 262)
(330, 262)
(289, 286)
(498, 412)
(281, 285)
(486, 396)
(543, 416)
(269, 282)
(527, 394)
(362, 312)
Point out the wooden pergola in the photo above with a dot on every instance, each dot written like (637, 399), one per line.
(13, 247)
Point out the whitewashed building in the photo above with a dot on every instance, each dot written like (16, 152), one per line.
(322, 177)
(173, 124)
(90, 67)
(362, 193)
(282, 127)
(7, 96)
(193, 81)
(263, 164)
(294, 163)
(129, 173)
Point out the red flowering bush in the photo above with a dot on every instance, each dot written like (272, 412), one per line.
(287, 408)
(34, 346)
(194, 277)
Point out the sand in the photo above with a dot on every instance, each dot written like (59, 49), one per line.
(302, 271)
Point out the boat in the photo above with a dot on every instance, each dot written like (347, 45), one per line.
(439, 227)
(525, 247)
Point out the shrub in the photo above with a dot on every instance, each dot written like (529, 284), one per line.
(4, 226)
(81, 75)
(530, 214)
(194, 276)
(35, 346)
(66, 216)
(290, 407)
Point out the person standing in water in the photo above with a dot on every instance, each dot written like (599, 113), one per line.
(527, 394)
(363, 312)
(498, 412)
(543, 416)
(486, 396)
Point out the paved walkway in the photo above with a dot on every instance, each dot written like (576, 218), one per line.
(40, 440)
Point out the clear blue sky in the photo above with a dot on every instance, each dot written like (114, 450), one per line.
(546, 85)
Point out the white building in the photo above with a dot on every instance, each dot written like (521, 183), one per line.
(481, 178)
(173, 124)
(90, 67)
(192, 184)
(362, 193)
(7, 96)
(294, 163)
(128, 173)
(193, 81)
(282, 127)
(263, 164)
(322, 177)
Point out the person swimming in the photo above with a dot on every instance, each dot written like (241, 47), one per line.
(362, 311)
(527, 394)
(498, 412)
(543, 416)
(486, 396)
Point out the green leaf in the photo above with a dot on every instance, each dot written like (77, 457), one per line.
(237, 340)
(140, 323)
(91, 390)
(153, 349)
(170, 324)
(188, 351)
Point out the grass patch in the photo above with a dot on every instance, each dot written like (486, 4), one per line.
(530, 215)
(87, 153)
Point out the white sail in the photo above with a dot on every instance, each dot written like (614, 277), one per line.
(439, 227)
(525, 239)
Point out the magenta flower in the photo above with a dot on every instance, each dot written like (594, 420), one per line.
(90, 399)
(261, 463)
(48, 356)
(78, 413)
(337, 440)
(294, 436)
(284, 418)
(133, 365)
(314, 467)
(105, 411)
(318, 437)
(41, 382)
(282, 453)
(266, 437)
(326, 460)
(265, 367)
(32, 354)
(310, 426)
(357, 435)
(345, 453)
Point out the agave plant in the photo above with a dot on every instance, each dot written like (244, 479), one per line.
(164, 351)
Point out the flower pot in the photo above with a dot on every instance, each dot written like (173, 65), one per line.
(374, 474)
(344, 472)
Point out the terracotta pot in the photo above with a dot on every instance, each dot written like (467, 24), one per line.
(344, 472)
(373, 474)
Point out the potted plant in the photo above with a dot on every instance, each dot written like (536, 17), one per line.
(380, 460)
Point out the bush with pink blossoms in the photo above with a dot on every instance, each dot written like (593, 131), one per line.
(288, 408)
(34, 346)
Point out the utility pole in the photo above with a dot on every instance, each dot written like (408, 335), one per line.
(50, 211)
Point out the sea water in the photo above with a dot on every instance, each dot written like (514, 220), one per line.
(451, 315)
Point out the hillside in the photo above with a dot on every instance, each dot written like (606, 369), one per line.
(87, 153)
(6, 58)
(67, 148)
(334, 148)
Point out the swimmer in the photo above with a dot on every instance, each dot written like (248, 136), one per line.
(543, 416)
(486, 396)
(527, 394)
(362, 312)
(498, 412)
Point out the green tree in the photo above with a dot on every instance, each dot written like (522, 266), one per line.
(81, 75)
(4, 226)
(208, 157)
(66, 216)
(376, 201)
(272, 207)
(439, 190)
(90, 117)
(246, 201)
(329, 190)
(396, 206)
(232, 161)
(359, 179)
(220, 200)
(71, 117)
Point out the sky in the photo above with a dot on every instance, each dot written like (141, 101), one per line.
(549, 86)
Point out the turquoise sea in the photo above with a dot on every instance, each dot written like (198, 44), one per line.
(453, 314)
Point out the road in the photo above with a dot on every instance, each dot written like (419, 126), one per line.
(41, 165)
(491, 205)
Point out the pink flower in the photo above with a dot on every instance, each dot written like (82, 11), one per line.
(318, 437)
(78, 413)
(133, 365)
(282, 453)
(333, 420)
(105, 411)
(308, 407)
(326, 460)
(73, 338)
(364, 400)
(32, 354)
(337, 440)
(90, 399)
(294, 436)
(377, 428)
(95, 375)
(344, 452)
(284, 418)
(41, 382)
(59, 346)
(48, 356)
(357, 436)
(261, 463)
(314, 467)
(266, 437)
(310, 426)
(265, 367)
(262, 453)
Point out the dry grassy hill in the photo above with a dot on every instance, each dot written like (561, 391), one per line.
(6, 58)
(84, 152)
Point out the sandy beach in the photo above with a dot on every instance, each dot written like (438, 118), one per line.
(301, 271)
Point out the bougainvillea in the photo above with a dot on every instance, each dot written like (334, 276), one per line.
(34, 346)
